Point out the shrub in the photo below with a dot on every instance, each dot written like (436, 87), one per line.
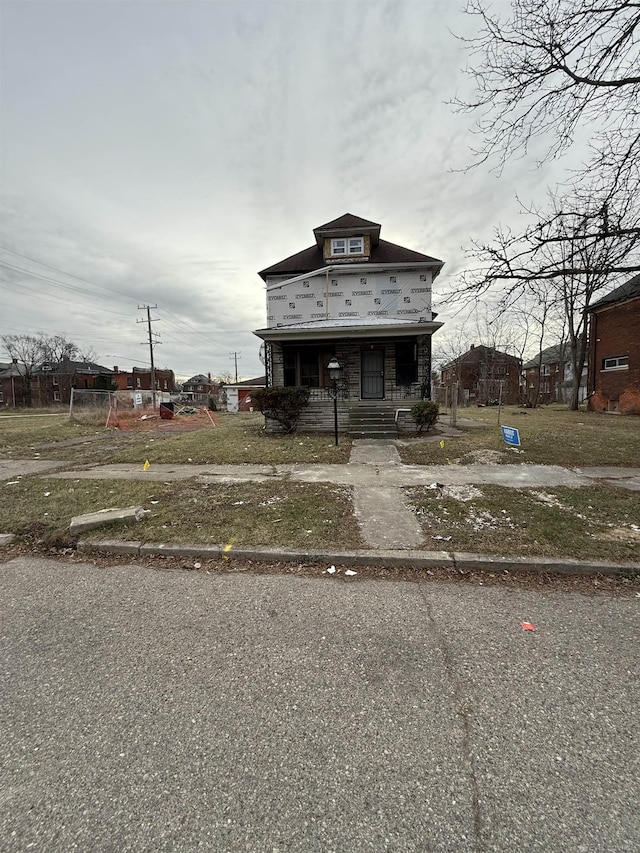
(283, 405)
(425, 414)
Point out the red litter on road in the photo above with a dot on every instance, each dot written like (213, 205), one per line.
(527, 626)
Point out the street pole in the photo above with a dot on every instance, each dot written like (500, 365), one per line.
(335, 411)
(152, 342)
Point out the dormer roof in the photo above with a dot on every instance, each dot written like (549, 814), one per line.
(347, 225)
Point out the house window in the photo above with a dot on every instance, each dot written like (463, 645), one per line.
(306, 366)
(56, 396)
(347, 246)
(55, 380)
(164, 384)
(546, 369)
(129, 381)
(138, 382)
(1, 397)
(406, 363)
(620, 362)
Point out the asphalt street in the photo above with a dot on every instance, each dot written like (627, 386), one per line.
(169, 710)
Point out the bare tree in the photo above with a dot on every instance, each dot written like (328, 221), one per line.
(31, 351)
(572, 265)
(26, 351)
(550, 71)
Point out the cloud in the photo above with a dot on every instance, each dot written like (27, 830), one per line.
(162, 153)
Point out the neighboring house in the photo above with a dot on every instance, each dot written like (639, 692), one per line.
(12, 389)
(139, 379)
(555, 381)
(200, 388)
(614, 350)
(239, 394)
(53, 382)
(484, 376)
(363, 300)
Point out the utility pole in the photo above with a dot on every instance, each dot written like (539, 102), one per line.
(153, 341)
(234, 357)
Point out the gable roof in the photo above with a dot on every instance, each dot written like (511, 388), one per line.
(68, 366)
(629, 290)
(550, 355)
(198, 379)
(347, 220)
(480, 351)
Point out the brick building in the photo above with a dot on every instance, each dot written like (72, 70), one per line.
(139, 379)
(614, 350)
(484, 375)
(551, 373)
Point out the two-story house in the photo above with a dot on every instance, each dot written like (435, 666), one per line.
(483, 375)
(365, 301)
(549, 375)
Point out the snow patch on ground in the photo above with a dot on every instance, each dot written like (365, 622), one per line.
(483, 457)
(459, 493)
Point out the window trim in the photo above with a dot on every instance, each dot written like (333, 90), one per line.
(292, 363)
(617, 365)
(346, 248)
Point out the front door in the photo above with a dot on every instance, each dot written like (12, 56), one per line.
(372, 374)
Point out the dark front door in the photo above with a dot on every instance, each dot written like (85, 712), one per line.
(372, 374)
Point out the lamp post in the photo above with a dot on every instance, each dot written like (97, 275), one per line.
(334, 370)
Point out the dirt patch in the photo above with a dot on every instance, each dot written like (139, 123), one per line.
(202, 419)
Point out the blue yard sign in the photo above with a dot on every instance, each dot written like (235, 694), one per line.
(511, 436)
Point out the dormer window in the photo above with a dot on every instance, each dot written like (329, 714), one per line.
(347, 246)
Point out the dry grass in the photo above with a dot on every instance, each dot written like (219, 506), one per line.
(599, 522)
(237, 439)
(551, 435)
(289, 515)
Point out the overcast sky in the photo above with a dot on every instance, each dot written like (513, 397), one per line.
(163, 152)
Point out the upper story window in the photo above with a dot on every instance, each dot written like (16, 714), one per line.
(618, 363)
(347, 246)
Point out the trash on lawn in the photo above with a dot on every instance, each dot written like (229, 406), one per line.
(197, 565)
(12, 483)
(442, 444)
(46, 494)
(350, 573)
(237, 503)
(435, 486)
(146, 465)
(528, 626)
(443, 538)
(331, 570)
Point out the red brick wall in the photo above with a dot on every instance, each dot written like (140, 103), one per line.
(615, 331)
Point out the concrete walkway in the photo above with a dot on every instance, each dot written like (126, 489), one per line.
(374, 472)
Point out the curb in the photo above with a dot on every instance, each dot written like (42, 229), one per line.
(404, 559)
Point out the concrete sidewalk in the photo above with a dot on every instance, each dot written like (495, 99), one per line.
(377, 477)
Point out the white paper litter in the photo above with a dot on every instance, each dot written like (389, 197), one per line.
(350, 573)
(331, 570)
